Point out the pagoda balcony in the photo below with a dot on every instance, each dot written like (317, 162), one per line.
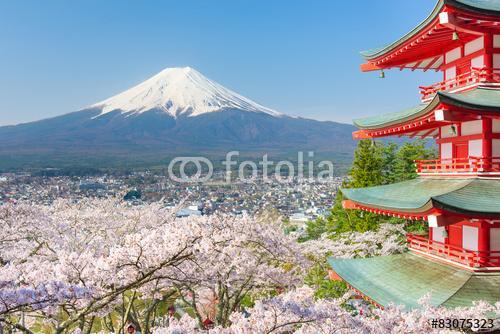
(470, 79)
(459, 255)
(469, 166)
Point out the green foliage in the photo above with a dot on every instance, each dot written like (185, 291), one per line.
(341, 221)
(417, 227)
(315, 228)
(374, 164)
(132, 195)
(324, 287)
(288, 227)
(390, 156)
(247, 301)
(367, 166)
(404, 162)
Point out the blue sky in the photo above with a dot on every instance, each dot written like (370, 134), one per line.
(298, 57)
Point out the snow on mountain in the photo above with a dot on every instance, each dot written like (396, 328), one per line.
(180, 90)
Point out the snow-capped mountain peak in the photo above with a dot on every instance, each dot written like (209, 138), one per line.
(180, 90)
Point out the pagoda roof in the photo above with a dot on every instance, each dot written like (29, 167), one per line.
(377, 52)
(431, 31)
(476, 197)
(403, 279)
(477, 99)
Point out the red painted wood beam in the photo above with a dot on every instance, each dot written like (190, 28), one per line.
(349, 205)
(442, 115)
(369, 67)
(435, 60)
(416, 65)
(442, 220)
(361, 134)
(487, 140)
(425, 134)
(449, 20)
(352, 205)
(483, 242)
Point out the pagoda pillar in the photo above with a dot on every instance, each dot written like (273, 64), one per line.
(487, 143)
(483, 242)
(488, 51)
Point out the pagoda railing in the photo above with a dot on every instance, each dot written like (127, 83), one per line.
(473, 259)
(475, 76)
(472, 165)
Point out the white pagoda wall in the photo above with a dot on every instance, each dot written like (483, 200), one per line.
(495, 239)
(437, 234)
(472, 127)
(470, 237)
(474, 45)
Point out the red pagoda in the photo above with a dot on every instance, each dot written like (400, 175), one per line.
(459, 193)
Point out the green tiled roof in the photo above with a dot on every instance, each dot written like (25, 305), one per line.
(467, 196)
(479, 195)
(391, 118)
(480, 98)
(403, 279)
(490, 7)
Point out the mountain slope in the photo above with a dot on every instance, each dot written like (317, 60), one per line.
(179, 91)
(178, 111)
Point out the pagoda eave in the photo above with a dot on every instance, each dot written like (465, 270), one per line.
(437, 213)
(471, 198)
(422, 48)
(369, 67)
(424, 120)
(402, 279)
(410, 215)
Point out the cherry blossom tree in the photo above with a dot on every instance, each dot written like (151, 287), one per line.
(96, 265)
(299, 312)
(243, 257)
(388, 239)
(102, 247)
(112, 257)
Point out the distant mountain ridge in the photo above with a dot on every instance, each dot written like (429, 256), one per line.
(177, 111)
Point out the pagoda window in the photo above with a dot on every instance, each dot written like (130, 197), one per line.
(477, 62)
(495, 148)
(476, 148)
(447, 131)
(450, 73)
(446, 151)
(495, 239)
(438, 234)
(496, 41)
(496, 61)
(452, 55)
(474, 46)
(470, 236)
(472, 127)
(496, 126)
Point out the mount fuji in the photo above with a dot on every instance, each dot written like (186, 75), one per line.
(179, 91)
(177, 111)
